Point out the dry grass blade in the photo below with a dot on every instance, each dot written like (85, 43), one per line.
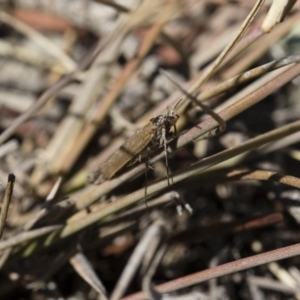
(147, 284)
(138, 211)
(27, 236)
(85, 270)
(6, 201)
(44, 211)
(247, 174)
(246, 146)
(247, 76)
(225, 228)
(224, 269)
(284, 276)
(272, 284)
(151, 236)
(115, 5)
(278, 11)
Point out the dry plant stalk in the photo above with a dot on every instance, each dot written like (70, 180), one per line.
(6, 201)
(278, 11)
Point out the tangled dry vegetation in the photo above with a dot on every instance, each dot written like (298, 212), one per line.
(79, 78)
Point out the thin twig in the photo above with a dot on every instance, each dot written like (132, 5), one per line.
(225, 269)
(26, 236)
(135, 260)
(6, 201)
(44, 211)
(84, 268)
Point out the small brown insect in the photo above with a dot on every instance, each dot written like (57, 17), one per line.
(155, 133)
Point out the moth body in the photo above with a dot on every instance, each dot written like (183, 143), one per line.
(154, 133)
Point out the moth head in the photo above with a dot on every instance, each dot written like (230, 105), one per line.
(173, 119)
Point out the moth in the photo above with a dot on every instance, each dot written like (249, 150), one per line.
(155, 134)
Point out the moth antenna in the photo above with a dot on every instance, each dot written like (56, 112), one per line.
(205, 108)
(172, 111)
(175, 106)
